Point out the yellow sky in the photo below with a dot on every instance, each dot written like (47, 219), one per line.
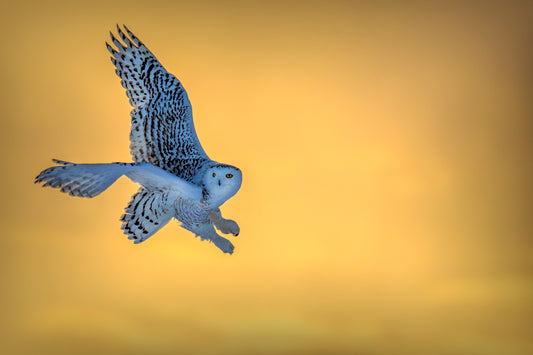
(386, 203)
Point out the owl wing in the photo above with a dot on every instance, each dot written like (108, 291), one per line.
(147, 212)
(162, 127)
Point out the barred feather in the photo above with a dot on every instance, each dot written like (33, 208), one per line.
(146, 213)
(162, 131)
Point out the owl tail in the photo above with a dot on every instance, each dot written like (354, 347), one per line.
(82, 180)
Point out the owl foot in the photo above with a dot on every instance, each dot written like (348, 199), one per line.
(225, 226)
(224, 245)
(206, 231)
(228, 226)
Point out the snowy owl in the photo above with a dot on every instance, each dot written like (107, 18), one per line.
(177, 177)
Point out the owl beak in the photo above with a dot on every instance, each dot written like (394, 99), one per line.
(218, 182)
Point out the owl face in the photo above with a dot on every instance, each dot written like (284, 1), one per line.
(222, 182)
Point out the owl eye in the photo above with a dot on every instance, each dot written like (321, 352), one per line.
(214, 174)
(229, 176)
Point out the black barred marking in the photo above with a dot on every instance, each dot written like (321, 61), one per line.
(137, 204)
(149, 70)
(143, 210)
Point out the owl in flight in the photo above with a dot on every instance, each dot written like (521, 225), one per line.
(177, 177)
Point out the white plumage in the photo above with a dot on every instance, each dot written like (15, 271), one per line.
(177, 177)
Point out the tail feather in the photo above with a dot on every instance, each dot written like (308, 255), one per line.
(82, 180)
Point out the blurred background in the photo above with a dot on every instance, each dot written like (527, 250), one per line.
(386, 203)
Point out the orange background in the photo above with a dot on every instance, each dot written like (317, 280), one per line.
(386, 203)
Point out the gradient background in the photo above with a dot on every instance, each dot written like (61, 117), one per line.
(386, 204)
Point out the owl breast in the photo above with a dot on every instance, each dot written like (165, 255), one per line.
(189, 213)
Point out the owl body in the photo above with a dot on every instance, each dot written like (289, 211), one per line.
(178, 180)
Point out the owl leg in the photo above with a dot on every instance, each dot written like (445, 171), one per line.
(224, 225)
(207, 231)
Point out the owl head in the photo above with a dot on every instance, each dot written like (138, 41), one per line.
(221, 182)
